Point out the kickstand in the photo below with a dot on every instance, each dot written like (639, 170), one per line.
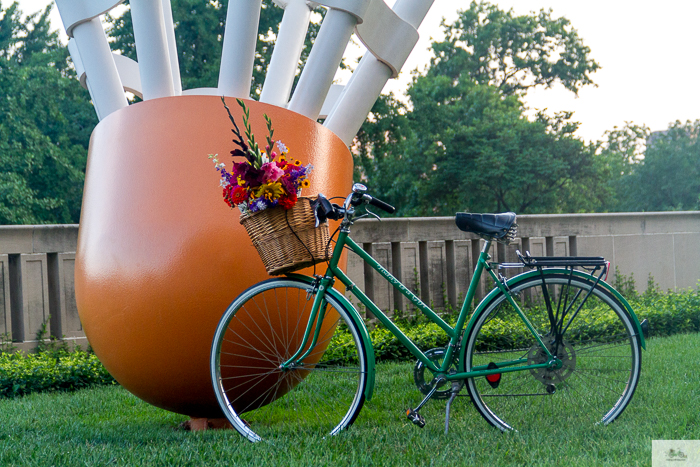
(455, 390)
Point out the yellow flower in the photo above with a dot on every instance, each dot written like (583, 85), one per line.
(270, 191)
(281, 159)
(305, 183)
(240, 181)
(297, 163)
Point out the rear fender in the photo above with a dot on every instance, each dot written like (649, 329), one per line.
(527, 275)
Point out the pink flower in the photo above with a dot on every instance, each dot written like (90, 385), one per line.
(272, 172)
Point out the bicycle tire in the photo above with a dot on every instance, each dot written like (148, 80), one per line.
(262, 329)
(600, 352)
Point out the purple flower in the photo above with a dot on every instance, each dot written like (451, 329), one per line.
(288, 185)
(248, 173)
(258, 204)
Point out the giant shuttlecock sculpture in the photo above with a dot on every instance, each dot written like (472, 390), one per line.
(159, 255)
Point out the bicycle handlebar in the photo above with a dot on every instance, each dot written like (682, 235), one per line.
(376, 202)
(324, 209)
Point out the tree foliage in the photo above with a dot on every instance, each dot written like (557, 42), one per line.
(620, 154)
(464, 142)
(45, 123)
(657, 171)
(669, 176)
(513, 53)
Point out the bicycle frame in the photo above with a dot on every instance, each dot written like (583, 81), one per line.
(454, 333)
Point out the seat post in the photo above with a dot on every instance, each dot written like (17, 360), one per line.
(487, 245)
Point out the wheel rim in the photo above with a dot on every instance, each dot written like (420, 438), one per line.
(262, 330)
(599, 357)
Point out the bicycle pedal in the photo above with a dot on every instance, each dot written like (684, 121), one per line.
(495, 379)
(415, 418)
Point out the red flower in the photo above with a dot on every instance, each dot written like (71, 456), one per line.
(239, 195)
(227, 195)
(235, 195)
(288, 201)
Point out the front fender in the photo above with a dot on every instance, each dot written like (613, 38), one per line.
(528, 274)
(359, 322)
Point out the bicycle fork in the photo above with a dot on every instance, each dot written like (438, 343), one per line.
(315, 321)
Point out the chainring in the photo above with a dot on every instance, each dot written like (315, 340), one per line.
(419, 374)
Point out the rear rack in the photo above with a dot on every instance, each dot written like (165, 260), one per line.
(531, 262)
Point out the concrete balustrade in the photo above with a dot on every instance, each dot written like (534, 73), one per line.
(436, 260)
(430, 255)
(36, 284)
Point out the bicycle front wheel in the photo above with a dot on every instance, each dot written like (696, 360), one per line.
(262, 329)
(586, 328)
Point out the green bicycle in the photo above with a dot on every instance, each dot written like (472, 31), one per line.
(293, 356)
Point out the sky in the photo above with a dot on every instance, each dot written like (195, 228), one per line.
(645, 49)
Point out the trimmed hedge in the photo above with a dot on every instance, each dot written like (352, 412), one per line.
(22, 374)
(669, 313)
(60, 370)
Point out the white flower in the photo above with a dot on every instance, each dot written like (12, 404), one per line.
(220, 166)
(223, 183)
(283, 149)
(265, 159)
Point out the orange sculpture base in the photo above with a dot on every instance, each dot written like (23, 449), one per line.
(160, 256)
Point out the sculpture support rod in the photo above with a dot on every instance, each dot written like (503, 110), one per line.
(369, 79)
(413, 11)
(285, 57)
(356, 101)
(103, 78)
(238, 54)
(172, 46)
(152, 48)
(324, 59)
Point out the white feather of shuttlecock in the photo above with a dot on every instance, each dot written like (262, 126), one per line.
(389, 35)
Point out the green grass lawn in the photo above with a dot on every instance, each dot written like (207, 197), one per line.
(109, 426)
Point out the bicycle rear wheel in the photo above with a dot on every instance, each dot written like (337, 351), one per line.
(592, 335)
(262, 329)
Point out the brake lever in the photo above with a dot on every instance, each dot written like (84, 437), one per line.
(373, 214)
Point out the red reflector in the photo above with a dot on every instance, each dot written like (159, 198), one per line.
(495, 379)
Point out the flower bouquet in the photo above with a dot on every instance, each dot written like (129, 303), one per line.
(266, 187)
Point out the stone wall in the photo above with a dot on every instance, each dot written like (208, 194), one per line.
(430, 255)
(36, 278)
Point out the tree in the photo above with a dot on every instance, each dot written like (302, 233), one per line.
(513, 53)
(619, 156)
(657, 171)
(669, 176)
(199, 30)
(472, 148)
(45, 123)
(465, 143)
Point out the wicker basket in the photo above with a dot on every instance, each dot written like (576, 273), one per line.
(280, 249)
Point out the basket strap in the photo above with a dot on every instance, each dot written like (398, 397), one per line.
(286, 218)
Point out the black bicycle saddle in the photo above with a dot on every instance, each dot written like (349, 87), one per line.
(491, 225)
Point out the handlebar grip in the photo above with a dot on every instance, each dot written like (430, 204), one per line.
(382, 205)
